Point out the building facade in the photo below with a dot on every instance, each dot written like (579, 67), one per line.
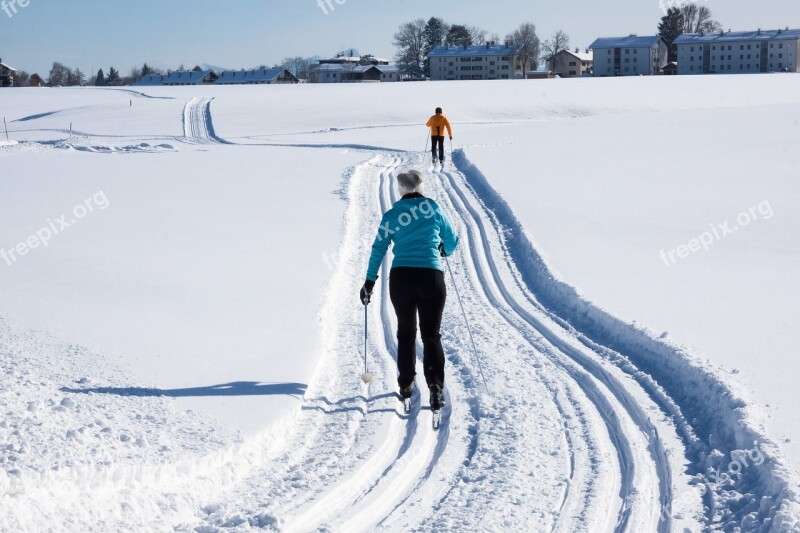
(573, 64)
(7, 75)
(488, 61)
(349, 73)
(629, 56)
(738, 52)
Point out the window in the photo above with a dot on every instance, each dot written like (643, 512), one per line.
(635, 51)
(691, 58)
(749, 46)
(572, 63)
(780, 65)
(780, 45)
(748, 56)
(729, 57)
(780, 56)
(634, 59)
(691, 49)
(573, 73)
(627, 59)
(741, 47)
(691, 68)
(741, 57)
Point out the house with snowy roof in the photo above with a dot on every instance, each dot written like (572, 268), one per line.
(349, 73)
(257, 76)
(7, 74)
(738, 52)
(488, 61)
(179, 77)
(573, 63)
(629, 56)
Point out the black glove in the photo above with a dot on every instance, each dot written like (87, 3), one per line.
(441, 250)
(366, 291)
(451, 137)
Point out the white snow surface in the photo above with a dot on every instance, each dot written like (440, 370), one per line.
(184, 351)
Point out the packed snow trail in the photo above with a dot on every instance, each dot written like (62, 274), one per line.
(197, 124)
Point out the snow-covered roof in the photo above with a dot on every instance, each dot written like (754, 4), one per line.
(582, 56)
(632, 41)
(770, 35)
(259, 75)
(358, 68)
(474, 50)
(7, 67)
(184, 77)
(340, 59)
(383, 68)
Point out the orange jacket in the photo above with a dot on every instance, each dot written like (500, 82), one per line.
(437, 123)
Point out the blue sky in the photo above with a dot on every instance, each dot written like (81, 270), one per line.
(91, 34)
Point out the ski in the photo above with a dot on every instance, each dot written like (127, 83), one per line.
(437, 419)
(407, 405)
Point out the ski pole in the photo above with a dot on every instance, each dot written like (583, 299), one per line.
(469, 330)
(452, 163)
(427, 139)
(366, 377)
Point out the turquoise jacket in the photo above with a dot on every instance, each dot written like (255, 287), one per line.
(416, 226)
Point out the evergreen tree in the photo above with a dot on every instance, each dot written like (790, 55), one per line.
(458, 35)
(113, 77)
(100, 80)
(434, 35)
(146, 70)
(670, 28)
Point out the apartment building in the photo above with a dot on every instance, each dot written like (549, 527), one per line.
(629, 56)
(488, 61)
(738, 52)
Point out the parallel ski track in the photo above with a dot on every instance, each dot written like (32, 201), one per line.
(198, 126)
(507, 304)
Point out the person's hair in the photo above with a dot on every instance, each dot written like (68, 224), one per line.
(411, 181)
(438, 110)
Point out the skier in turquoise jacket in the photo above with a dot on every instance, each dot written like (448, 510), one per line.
(421, 235)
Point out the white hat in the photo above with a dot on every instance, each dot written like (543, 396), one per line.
(410, 182)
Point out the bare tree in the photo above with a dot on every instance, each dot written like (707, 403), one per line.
(410, 43)
(477, 34)
(529, 52)
(698, 19)
(552, 47)
(21, 79)
(59, 75)
(298, 66)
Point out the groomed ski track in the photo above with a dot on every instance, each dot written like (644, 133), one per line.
(558, 444)
(570, 436)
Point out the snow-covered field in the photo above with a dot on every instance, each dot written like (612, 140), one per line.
(180, 337)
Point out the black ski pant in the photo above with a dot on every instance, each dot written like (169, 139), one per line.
(438, 140)
(418, 291)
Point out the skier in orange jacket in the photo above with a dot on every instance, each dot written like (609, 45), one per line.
(437, 123)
